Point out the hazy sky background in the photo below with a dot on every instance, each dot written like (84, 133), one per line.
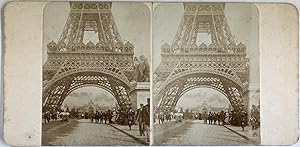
(84, 95)
(198, 96)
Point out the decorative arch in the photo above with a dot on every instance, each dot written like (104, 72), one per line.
(57, 91)
(172, 90)
(115, 72)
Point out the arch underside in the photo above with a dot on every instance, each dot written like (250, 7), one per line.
(172, 92)
(59, 90)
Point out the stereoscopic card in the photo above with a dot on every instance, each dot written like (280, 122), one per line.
(106, 73)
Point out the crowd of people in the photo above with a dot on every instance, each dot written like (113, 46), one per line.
(54, 114)
(99, 116)
(140, 117)
(237, 118)
(129, 117)
(213, 117)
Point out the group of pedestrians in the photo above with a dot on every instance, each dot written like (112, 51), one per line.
(52, 114)
(162, 117)
(234, 118)
(213, 117)
(101, 116)
(125, 117)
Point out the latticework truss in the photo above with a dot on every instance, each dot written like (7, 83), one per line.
(221, 65)
(72, 64)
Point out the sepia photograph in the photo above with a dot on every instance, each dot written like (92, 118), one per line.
(96, 69)
(206, 74)
(107, 73)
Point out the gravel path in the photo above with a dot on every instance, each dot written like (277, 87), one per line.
(87, 133)
(203, 134)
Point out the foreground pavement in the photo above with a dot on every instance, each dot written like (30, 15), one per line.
(133, 133)
(91, 134)
(197, 133)
(248, 133)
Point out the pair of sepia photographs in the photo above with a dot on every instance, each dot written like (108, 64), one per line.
(102, 73)
(129, 73)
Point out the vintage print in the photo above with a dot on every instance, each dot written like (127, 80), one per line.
(206, 74)
(96, 88)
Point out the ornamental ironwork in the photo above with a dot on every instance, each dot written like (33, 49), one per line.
(221, 65)
(72, 64)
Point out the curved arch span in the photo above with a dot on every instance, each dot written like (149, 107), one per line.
(170, 94)
(101, 71)
(58, 91)
(91, 85)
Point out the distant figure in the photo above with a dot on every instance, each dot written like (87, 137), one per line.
(96, 117)
(130, 118)
(109, 116)
(210, 118)
(64, 116)
(204, 116)
(243, 119)
(161, 118)
(200, 116)
(104, 117)
(91, 116)
(222, 117)
(47, 116)
(214, 117)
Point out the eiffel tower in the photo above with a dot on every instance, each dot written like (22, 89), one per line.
(72, 64)
(186, 64)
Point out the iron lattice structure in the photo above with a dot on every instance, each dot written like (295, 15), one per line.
(221, 65)
(72, 64)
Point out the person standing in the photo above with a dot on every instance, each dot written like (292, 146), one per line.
(130, 118)
(205, 117)
(146, 118)
(214, 117)
(139, 120)
(243, 118)
(109, 116)
(96, 116)
(210, 118)
(222, 117)
(104, 116)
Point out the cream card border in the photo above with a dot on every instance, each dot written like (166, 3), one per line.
(23, 73)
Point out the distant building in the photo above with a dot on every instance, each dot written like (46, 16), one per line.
(204, 107)
(92, 106)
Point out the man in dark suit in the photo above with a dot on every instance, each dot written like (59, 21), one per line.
(139, 120)
(146, 118)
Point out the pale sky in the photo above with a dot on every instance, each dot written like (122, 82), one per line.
(83, 95)
(196, 97)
